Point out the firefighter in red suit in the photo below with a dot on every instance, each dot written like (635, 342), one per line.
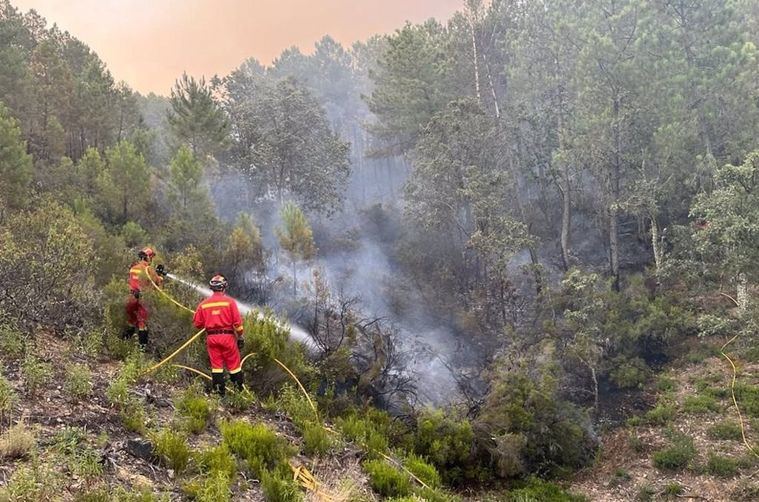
(140, 274)
(220, 317)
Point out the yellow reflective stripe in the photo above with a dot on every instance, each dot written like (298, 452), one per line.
(136, 270)
(232, 372)
(214, 304)
(239, 329)
(217, 370)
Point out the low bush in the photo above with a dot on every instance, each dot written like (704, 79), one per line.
(239, 401)
(720, 466)
(748, 399)
(629, 373)
(423, 470)
(217, 459)
(447, 443)
(12, 340)
(172, 448)
(36, 373)
(677, 456)
(78, 381)
(661, 414)
(213, 488)
(665, 384)
(365, 433)
(257, 444)
(195, 409)
(134, 416)
(316, 440)
(32, 482)
(727, 430)
(700, 404)
(387, 480)
(82, 460)
(538, 490)
(673, 489)
(8, 397)
(279, 487)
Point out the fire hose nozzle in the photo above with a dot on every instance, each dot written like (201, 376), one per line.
(161, 270)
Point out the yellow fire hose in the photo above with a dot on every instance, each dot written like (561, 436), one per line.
(300, 473)
(732, 385)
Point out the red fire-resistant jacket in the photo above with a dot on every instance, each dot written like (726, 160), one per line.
(138, 276)
(217, 314)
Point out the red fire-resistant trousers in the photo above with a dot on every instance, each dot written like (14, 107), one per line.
(223, 352)
(137, 314)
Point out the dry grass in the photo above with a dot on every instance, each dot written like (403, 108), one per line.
(17, 442)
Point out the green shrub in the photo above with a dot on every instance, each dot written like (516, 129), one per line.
(117, 392)
(619, 477)
(257, 444)
(677, 456)
(12, 340)
(748, 399)
(36, 373)
(423, 470)
(81, 459)
(700, 404)
(133, 416)
(316, 440)
(727, 430)
(195, 409)
(665, 384)
(723, 467)
(673, 489)
(32, 482)
(172, 448)
(293, 403)
(8, 397)
(78, 381)
(636, 444)
(661, 414)
(214, 488)
(278, 487)
(239, 401)
(447, 443)
(629, 373)
(363, 432)
(537, 490)
(217, 459)
(386, 479)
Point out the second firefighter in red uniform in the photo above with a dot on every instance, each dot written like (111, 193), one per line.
(220, 317)
(140, 276)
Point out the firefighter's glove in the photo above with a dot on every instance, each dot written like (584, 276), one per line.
(240, 343)
(161, 270)
(136, 293)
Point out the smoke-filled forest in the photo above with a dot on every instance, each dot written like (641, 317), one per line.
(511, 256)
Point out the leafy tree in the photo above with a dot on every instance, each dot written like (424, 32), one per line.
(195, 117)
(186, 176)
(411, 84)
(124, 186)
(727, 234)
(284, 143)
(15, 164)
(295, 238)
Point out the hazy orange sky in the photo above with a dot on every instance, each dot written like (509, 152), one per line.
(149, 43)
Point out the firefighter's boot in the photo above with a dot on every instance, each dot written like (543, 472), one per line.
(128, 332)
(218, 383)
(142, 337)
(237, 380)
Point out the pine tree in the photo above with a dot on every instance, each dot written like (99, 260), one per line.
(295, 238)
(15, 164)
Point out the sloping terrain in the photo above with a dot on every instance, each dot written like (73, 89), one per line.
(687, 446)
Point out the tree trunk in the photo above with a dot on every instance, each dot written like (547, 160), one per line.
(475, 58)
(614, 192)
(295, 281)
(656, 244)
(742, 292)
